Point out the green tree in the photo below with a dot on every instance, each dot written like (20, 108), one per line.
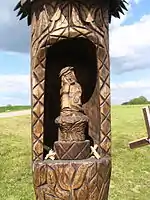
(137, 101)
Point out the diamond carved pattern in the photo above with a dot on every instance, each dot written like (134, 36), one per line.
(72, 150)
(38, 80)
(104, 80)
(59, 25)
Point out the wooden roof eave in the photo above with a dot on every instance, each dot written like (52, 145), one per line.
(115, 8)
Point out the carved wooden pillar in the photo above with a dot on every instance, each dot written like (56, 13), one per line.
(70, 33)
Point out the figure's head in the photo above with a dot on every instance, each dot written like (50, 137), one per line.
(68, 74)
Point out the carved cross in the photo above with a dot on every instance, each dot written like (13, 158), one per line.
(143, 141)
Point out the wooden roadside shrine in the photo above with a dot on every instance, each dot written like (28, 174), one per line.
(146, 140)
(70, 75)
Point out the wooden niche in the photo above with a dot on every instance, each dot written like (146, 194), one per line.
(70, 72)
(81, 54)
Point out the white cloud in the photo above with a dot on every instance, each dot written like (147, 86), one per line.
(11, 83)
(137, 1)
(131, 84)
(128, 39)
(14, 89)
(130, 46)
(125, 91)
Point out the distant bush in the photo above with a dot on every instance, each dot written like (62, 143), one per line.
(9, 105)
(13, 108)
(137, 101)
(125, 103)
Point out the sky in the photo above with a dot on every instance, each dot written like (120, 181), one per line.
(129, 55)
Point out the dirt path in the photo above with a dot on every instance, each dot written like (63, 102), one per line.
(15, 113)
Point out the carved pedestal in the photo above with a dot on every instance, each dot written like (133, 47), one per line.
(72, 144)
(72, 180)
(72, 150)
(72, 126)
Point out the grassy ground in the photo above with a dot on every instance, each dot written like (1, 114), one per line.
(131, 168)
(13, 108)
(15, 159)
(130, 174)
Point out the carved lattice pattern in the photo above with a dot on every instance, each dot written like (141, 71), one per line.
(50, 24)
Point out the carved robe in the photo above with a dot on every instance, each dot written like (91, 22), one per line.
(71, 96)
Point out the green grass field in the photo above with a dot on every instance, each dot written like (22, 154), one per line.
(13, 108)
(131, 168)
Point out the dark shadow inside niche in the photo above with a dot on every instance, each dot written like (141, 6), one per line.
(79, 53)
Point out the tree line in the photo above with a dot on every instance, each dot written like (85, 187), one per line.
(137, 101)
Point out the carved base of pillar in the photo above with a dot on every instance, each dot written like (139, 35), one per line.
(72, 180)
(72, 150)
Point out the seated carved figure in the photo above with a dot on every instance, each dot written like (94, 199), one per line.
(70, 91)
(72, 121)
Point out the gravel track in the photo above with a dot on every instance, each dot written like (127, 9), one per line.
(15, 113)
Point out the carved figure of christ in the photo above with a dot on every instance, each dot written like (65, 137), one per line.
(70, 91)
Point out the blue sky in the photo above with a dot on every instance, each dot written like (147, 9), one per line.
(129, 51)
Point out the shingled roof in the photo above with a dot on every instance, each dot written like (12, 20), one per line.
(115, 8)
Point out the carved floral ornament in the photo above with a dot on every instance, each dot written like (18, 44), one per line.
(115, 7)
